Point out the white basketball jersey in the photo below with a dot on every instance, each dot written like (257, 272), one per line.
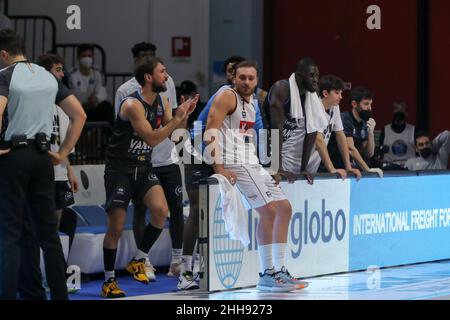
(238, 138)
(60, 124)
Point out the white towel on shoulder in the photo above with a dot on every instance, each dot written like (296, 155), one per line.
(233, 210)
(315, 113)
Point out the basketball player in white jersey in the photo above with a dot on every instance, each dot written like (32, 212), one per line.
(231, 118)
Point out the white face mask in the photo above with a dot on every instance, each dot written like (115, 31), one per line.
(86, 62)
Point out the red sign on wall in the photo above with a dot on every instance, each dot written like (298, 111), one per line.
(181, 46)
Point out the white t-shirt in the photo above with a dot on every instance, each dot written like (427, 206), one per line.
(60, 125)
(334, 121)
(165, 153)
(84, 86)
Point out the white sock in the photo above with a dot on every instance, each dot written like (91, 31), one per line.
(265, 257)
(278, 254)
(141, 255)
(109, 275)
(176, 255)
(187, 264)
(196, 264)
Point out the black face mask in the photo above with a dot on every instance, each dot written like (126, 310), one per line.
(399, 122)
(398, 128)
(399, 117)
(425, 153)
(365, 114)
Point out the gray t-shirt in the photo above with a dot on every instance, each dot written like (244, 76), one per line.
(437, 161)
(31, 92)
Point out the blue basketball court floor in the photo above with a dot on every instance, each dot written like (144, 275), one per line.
(428, 281)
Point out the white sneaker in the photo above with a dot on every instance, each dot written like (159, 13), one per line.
(149, 270)
(187, 281)
(175, 269)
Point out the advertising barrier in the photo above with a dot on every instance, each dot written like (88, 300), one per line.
(401, 220)
(336, 226)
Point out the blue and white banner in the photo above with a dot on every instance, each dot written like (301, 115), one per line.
(399, 220)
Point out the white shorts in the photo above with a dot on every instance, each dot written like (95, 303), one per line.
(256, 185)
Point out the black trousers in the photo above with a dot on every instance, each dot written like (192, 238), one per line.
(30, 277)
(26, 176)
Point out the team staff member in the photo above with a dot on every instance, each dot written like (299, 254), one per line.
(359, 127)
(66, 183)
(30, 281)
(27, 94)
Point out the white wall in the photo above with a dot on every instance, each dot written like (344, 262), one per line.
(236, 29)
(218, 29)
(185, 18)
(116, 25)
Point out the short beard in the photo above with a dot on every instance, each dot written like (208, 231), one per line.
(158, 88)
(242, 93)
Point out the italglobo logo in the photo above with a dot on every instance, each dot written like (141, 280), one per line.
(316, 226)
